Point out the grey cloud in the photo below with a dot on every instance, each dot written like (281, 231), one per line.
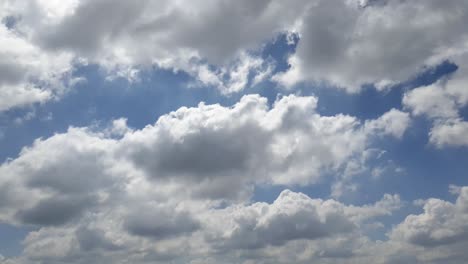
(56, 179)
(11, 73)
(92, 23)
(209, 152)
(85, 175)
(160, 224)
(54, 211)
(10, 21)
(94, 239)
(293, 228)
(214, 29)
(292, 216)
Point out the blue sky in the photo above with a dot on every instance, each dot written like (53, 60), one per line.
(364, 123)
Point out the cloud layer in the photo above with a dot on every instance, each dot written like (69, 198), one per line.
(382, 43)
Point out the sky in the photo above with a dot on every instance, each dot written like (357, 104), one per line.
(237, 132)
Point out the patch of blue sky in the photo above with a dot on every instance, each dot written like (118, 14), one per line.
(10, 241)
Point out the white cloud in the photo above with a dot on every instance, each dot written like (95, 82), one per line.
(384, 43)
(393, 122)
(234, 77)
(440, 232)
(370, 42)
(29, 75)
(441, 102)
(450, 133)
(431, 101)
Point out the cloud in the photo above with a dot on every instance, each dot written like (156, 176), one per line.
(442, 102)
(373, 42)
(393, 122)
(287, 144)
(441, 223)
(381, 44)
(160, 223)
(450, 133)
(219, 152)
(53, 211)
(55, 180)
(431, 101)
(28, 74)
(208, 40)
(294, 227)
(440, 232)
(291, 217)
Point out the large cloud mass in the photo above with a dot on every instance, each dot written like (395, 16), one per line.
(165, 181)
(342, 43)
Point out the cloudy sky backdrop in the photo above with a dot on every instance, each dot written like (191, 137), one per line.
(222, 131)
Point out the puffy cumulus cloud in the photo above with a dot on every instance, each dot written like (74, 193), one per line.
(393, 122)
(29, 75)
(119, 194)
(441, 102)
(431, 101)
(55, 179)
(217, 148)
(441, 223)
(378, 42)
(437, 235)
(218, 151)
(292, 216)
(449, 133)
